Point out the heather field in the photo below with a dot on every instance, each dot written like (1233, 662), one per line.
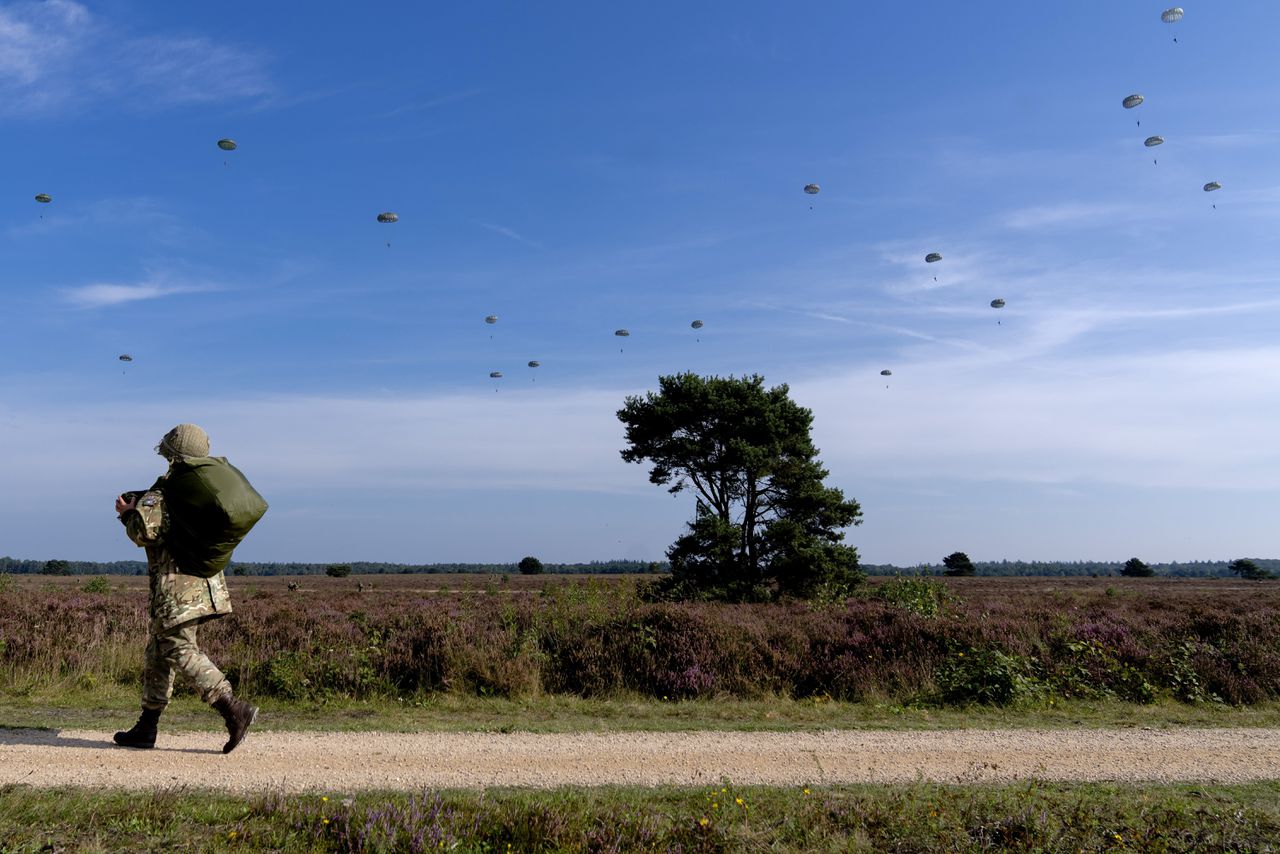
(487, 652)
(924, 817)
(941, 643)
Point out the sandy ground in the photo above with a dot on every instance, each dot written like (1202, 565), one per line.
(341, 762)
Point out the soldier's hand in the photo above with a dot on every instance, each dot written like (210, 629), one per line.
(122, 504)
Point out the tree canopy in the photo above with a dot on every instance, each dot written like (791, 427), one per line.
(1135, 568)
(1246, 568)
(764, 523)
(958, 563)
(530, 565)
(56, 566)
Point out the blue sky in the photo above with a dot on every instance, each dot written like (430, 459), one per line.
(576, 168)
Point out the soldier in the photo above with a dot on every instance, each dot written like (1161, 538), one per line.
(179, 604)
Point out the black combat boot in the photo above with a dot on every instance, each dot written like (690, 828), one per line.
(239, 715)
(143, 734)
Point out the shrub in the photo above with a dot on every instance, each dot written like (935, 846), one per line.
(530, 565)
(338, 570)
(984, 676)
(97, 584)
(917, 595)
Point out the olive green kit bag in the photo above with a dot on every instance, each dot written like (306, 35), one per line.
(211, 506)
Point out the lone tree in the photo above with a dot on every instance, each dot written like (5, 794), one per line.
(764, 523)
(530, 565)
(1134, 568)
(55, 567)
(1246, 568)
(338, 570)
(958, 563)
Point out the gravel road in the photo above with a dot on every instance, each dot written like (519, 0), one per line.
(347, 761)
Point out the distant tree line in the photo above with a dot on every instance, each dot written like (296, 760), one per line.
(57, 566)
(1189, 569)
(1012, 568)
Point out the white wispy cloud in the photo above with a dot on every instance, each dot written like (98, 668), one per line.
(1186, 419)
(137, 215)
(1239, 139)
(58, 55)
(511, 439)
(189, 70)
(1072, 214)
(101, 295)
(35, 38)
(433, 102)
(510, 233)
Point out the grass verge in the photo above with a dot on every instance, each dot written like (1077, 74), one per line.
(920, 817)
(112, 707)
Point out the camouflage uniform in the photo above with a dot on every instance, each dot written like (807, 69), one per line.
(179, 604)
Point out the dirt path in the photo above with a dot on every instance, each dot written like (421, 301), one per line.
(339, 762)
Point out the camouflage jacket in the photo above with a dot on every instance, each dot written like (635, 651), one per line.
(176, 598)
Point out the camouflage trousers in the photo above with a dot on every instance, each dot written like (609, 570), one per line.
(172, 652)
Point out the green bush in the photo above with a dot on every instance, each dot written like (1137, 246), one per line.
(984, 676)
(917, 595)
(285, 675)
(97, 584)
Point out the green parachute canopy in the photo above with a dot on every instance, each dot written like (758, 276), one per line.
(697, 324)
(932, 257)
(997, 303)
(495, 375)
(388, 216)
(1132, 101)
(533, 363)
(812, 189)
(1211, 186)
(621, 333)
(1153, 141)
(492, 318)
(1172, 16)
(125, 357)
(886, 373)
(44, 198)
(227, 144)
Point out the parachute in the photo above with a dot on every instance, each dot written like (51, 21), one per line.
(44, 198)
(697, 324)
(493, 318)
(125, 357)
(1211, 186)
(1151, 141)
(812, 189)
(1132, 101)
(211, 509)
(1172, 16)
(997, 303)
(886, 373)
(932, 257)
(621, 333)
(388, 216)
(534, 363)
(497, 375)
(227, 144)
